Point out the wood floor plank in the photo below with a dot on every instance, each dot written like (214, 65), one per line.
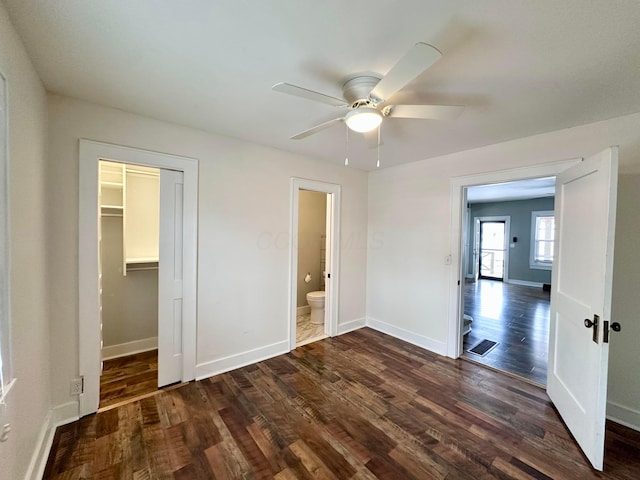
(360, 406)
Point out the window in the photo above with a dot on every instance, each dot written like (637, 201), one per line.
(542, 238)
(5, 334)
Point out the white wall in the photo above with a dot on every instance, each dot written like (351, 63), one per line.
(624, 357)
(410, 224)
(28, 402)
(244, 209)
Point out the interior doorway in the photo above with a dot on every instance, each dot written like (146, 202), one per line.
(314, 252)
(128, 242)
(505, 302)
(178, 243)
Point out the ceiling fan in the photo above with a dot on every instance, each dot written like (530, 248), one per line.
(365, 95)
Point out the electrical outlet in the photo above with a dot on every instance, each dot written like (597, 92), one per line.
(76, 386)
(4, 432)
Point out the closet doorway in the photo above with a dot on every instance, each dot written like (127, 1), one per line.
(174, 258)
(128, 238)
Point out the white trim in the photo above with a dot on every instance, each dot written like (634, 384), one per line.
(414, 338)
(58, 416)
(231, 362)
(305, 310)
(6, 356)
(507, 235)
(88, 292)
(525, 283)
(332, 285)
(532, 240)
(458, 206)
(351, 325)
(626, 416)
(129, 348)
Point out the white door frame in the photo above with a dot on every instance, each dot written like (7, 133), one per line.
(331, 284)
(458, 208)
(88, 258)
(507, 231)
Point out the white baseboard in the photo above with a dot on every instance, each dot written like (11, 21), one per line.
(305, 310)
(60, 415)
(416, 339)
(525, 283)
(221, 365)
(352, 325)
(623, 415)
(129, 348)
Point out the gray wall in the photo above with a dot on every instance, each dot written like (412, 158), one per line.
(624, 357)
(312, 218)
(520, 213)
(129, 304)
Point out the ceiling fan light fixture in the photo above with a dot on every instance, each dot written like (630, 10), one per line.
(363, 119)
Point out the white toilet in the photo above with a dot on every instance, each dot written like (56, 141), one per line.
(316, 302)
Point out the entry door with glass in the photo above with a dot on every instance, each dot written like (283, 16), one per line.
(492, 249)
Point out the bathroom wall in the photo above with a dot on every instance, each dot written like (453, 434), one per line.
(520, 213)
(129, 303)
(311, 230)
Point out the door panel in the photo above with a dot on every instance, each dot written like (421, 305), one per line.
(581, 288)
(170, 292)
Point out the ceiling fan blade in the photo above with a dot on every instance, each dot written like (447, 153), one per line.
(372, 138)
(414, 62)
(308, 94)
(317, 128)
(430, 112)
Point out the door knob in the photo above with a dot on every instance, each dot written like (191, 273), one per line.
(616, 327)
(588, 323)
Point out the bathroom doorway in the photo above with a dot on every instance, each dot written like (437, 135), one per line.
(314, 265)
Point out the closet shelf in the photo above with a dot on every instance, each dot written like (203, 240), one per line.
(142, 260)
(111, 210)
(112, 184)
(134, 264)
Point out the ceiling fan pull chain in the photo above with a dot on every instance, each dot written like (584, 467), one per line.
(378, 162)
(346, 148)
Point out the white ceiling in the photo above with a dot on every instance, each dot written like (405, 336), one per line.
(520, 190)
(520, 67)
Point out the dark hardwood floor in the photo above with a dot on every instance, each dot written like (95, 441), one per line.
(129, 377)
(515, 316)
(362, 405)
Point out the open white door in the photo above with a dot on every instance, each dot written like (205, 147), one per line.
(585, 211)
(170, 273)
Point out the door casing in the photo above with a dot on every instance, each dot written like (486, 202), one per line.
(458, 200)
(331, 285)
(89, 348)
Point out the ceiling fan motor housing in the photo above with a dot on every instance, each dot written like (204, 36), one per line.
(356, 91)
